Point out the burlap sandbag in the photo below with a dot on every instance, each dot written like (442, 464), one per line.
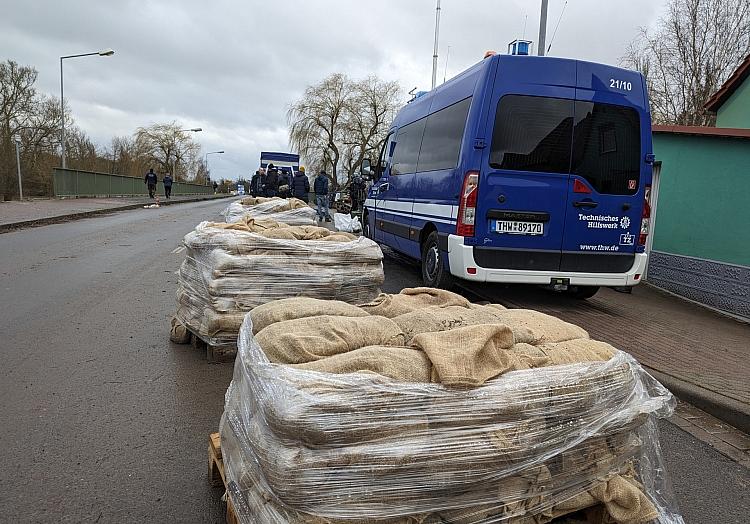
(621, 496)
(543, 328)
(178, 333)
(306, 339)
(340, 236)
(468, 356)
(248, 224)
(560, 353)
(401, 364)
(300, 307)
(410, 299)
(215, 322)
(443, 318)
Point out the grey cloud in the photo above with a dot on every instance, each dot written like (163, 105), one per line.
(233, 68)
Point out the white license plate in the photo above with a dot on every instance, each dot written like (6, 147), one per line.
(514, 227)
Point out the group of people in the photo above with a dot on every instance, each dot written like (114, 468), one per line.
(151, 180)
(271, 182)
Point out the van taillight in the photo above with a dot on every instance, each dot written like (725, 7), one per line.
(645, 217)
(467, 205)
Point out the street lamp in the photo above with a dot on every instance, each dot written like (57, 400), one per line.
(205, 159)
(174, 166)
(17, 140)
(105, 52)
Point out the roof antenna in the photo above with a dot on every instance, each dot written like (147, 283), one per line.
(525, 19)
(447, 55)
(556, 26)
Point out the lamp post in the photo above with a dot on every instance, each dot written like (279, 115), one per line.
(105, 52)
(174, 166)
(18, 167)
(205, 159)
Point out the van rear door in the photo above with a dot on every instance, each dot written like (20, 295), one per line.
(523, 185)
(605, 190)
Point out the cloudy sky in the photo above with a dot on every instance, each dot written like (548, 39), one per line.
(233, 68)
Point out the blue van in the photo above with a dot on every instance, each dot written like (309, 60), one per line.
(521, 169)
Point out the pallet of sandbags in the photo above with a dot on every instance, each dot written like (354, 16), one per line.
(421, 407)
(229, 269)
(291, 211)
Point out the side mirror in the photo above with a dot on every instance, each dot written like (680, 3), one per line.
(366, 168)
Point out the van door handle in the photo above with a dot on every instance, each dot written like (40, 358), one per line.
(585, 203)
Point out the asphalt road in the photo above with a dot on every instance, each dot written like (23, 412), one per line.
(107, 421)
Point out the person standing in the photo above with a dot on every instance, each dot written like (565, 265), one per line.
(167, 181)
(321, 196)
(150, 180)
(216, 186)
(272, 181)
(255, 184)
(301, 185)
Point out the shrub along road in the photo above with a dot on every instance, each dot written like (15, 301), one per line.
(107, 421)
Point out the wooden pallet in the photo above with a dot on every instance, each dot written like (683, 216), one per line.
(214, 354)
(216, 474)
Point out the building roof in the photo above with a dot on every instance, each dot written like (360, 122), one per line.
(726, 132)
(733, 82)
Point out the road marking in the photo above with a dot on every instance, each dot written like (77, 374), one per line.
(178, 249)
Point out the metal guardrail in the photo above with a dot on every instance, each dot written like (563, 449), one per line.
(73, 182)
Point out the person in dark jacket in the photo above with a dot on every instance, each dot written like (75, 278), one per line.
(167, 181)
(271, 185)
(321, 196)
(301, 185)
(150, 180)
(255, 184)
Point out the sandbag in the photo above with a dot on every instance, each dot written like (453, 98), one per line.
(442, 318)
(300, 307)
(178, 333)
(411, 299)
(543, 328)
(312, 338)
(468, 356)
(402, 364)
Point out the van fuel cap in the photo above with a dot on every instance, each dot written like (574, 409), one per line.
(501, 199)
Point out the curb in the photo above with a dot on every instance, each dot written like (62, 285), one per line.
(6, 228)
(731, 411)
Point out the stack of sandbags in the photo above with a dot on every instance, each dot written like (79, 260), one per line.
(231, 268)
(423, 408)
(291, 211)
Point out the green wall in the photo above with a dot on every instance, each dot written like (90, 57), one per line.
(704, 197)
(735, 112)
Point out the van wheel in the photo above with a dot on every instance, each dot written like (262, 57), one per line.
(366, 226)
(584, 292)
(434, 272)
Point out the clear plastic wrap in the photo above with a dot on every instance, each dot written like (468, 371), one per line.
(529, 446)
(291, 211)
(228, 272)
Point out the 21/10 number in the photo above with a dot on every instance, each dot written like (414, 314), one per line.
(620, 84)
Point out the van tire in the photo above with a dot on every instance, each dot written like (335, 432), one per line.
(366, 232)
(584, 292)
(434, 272)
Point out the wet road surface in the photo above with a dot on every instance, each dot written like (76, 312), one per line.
(106, 421)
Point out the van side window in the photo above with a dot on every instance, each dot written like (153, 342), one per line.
(385, 152)
(443, 135)
(607, 147)
(408, 140)
(532, 133)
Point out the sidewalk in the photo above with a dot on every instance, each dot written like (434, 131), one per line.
(701, 356)
(28, 213)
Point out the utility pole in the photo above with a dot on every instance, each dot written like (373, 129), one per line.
(435, 50)
(542, 29)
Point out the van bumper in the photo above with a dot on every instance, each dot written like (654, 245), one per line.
(461, 258)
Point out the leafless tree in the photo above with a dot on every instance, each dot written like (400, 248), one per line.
(169, 149)
(339, 122)
(693, 50)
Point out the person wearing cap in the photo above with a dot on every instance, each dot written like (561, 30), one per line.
(321, 196)
(271, 185)
(300, 185)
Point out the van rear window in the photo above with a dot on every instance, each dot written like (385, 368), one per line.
(607, 147)
(599, 142)
(532, 133)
